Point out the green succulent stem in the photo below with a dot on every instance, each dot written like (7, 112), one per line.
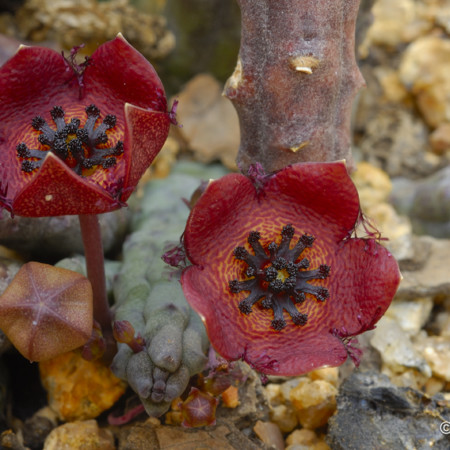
(95, 269)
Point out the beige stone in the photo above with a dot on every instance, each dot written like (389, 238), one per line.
(273, 394)
(284, 416)
(440, 138)
(434, 386)
(410, 378)
(424, 71)
(393, 89)
(436, 351)
(411, 315)
(395, 23)
(79, 436)
(209, 122)
(302, 437)
(373, 184)
(305, 439)
(431, 277)
(287, 386)
(270, 434)
(395, 348)
(71, 22)
(330, 374)
(315, 402)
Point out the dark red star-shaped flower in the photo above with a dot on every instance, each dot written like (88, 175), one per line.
(277, 275)
(76, 138)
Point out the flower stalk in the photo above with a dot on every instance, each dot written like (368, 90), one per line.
(95, 269)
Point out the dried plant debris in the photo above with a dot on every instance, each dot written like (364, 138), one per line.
(72, 22)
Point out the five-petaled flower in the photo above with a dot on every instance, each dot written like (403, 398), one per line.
(276, 270)
(76, 138)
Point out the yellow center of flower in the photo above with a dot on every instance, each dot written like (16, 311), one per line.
(282, 275)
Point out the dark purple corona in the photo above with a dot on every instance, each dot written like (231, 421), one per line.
(277, 278)
(69, 140)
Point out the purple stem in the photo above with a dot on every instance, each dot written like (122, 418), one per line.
(95, 268)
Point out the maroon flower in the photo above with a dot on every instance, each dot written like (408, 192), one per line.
(276, 276)
(76, 138)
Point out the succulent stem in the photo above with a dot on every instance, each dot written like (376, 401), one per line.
(295, 80)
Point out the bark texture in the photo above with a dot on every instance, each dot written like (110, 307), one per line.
(295, 81)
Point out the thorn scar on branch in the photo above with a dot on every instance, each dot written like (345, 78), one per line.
(304, 64)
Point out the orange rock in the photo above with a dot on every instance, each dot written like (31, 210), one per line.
(230, 397)
(78, 389)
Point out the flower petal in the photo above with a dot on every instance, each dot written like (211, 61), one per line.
(292, 351)
(145, 134)
(303, 194)
(225, 203)
(122, 74)
(322, 190)
(56, 190)
(364, 282)
(31, 82)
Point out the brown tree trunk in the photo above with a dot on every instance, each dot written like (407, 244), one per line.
(295, 81)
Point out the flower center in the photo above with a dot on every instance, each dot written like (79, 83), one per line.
(277, 278)
(78, 147)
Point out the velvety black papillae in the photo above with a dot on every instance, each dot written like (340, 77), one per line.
(277, 278)
(81, 145)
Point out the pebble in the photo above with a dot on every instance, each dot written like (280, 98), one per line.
(273, 393)
(397, 352)
(434, 386)
(270, 434)
(329, 374)
(424, 71)
(287, 386)
(305, 439)
(436, 352)
(440, 139)
(78, 389)
(315, 402)
(411, 378)
(395, 23)
(80, 435)
(210, 125)
(412, 315)
(284, 416)
(374, 187)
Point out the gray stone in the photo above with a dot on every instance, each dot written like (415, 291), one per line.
(373, 413)
(428, 273)
(58, 236)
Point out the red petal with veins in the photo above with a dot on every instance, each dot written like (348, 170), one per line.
(123, 75)
(145, 134)
(58, 190)
(31, 83)
(318, 199)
